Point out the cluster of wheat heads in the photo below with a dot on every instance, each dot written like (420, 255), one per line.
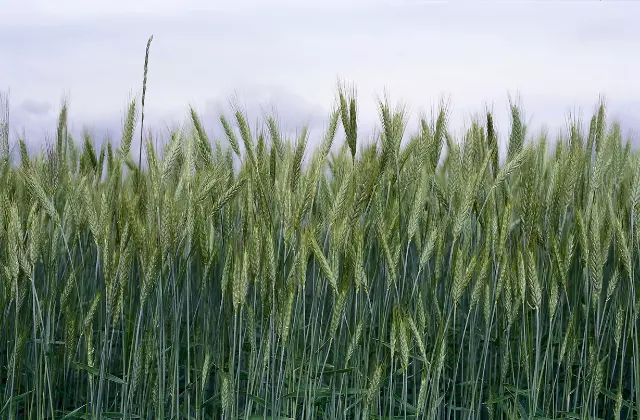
(419, 279)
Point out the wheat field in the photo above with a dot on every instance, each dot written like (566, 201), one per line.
(356, 278)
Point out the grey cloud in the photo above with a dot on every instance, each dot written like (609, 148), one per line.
(40, 132)
(291, 110)
(37, 108)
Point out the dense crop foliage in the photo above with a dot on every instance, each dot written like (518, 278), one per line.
(352, 279)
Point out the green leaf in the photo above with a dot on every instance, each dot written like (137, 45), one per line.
(74, 414)
(15, 399)
(96, 372)
(257, 400)
(269, 418)
(115, 415)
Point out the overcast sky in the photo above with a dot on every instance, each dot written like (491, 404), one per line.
(558, 56)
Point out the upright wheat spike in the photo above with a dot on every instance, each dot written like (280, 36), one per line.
(144, 93)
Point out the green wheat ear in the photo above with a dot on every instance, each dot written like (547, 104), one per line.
(4, 126)
(348, 114)
(144, 94)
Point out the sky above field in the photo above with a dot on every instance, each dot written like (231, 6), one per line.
(556, 57)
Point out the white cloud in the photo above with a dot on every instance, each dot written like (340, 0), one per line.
(559, 56)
